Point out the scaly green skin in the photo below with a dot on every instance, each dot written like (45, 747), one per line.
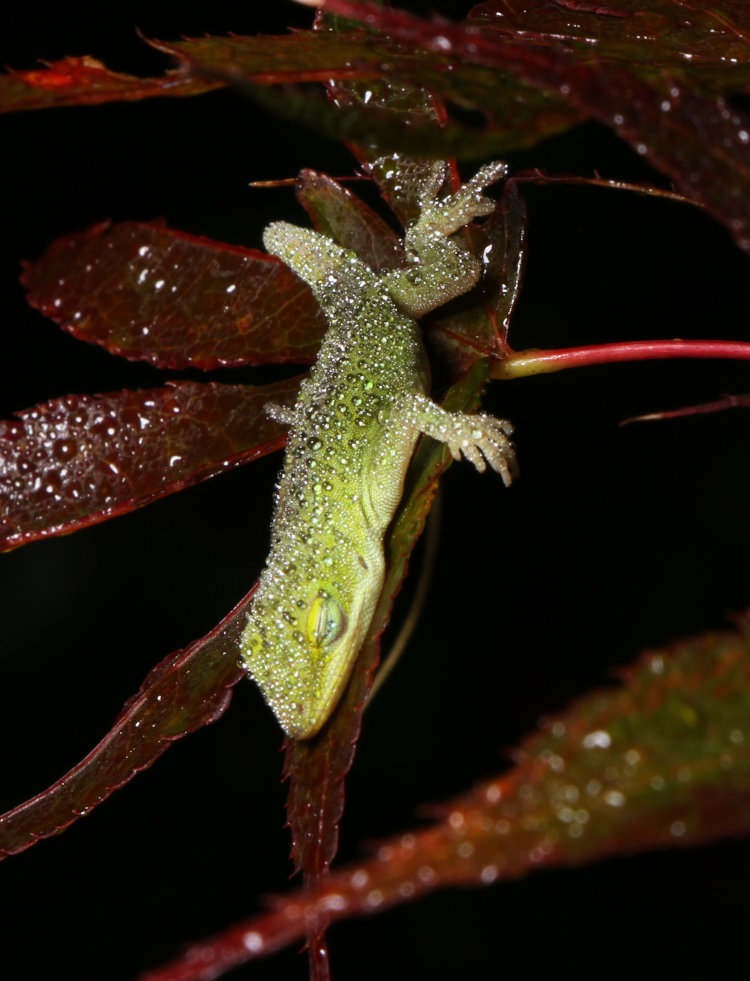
(353, 431)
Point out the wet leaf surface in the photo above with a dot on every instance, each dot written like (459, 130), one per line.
(663, 760)
(343, 217)
(79, 460)
(519, 113)
(707, 41)
(407, 107)
(153, 294)
(189, 689)
(86, 81)
(209, 63)
(698, 140)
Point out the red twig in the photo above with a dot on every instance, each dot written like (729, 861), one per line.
(720, 405)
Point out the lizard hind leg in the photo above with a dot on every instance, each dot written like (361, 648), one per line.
(447, 215)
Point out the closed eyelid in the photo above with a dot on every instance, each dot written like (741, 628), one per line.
(326, 621)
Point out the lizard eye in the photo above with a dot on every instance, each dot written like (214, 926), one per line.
(326, 622)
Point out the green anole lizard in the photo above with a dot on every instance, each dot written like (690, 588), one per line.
(353, 431)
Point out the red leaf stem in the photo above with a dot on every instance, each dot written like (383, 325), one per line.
(536, 362)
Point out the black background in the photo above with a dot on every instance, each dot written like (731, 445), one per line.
(612, 540)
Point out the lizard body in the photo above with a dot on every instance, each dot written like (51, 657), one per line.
(353, 431)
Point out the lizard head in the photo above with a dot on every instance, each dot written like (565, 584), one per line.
(300, 646)
(334, 626)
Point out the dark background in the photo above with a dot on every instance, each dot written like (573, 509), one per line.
(613, 540)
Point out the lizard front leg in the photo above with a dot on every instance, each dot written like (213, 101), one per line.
(443, 268)
(478, 437)
(283, 414)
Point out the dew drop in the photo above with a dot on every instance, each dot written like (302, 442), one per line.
(600, 738)
(489, 874)
(64, 449)
(360, 878)
(614, 798)
(374, 898)
(253, 941)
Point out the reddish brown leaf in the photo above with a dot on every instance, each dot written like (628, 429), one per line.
(209, 63)
(86, 81)
(506, 237)
(708, 41)
(189, 689)
(663, 760)
(153, 294)
(337, 213)
(79, 460)
(696, 140)
(520, 113)
(406, 106)
(305, 56)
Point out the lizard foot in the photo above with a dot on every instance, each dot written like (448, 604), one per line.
(479, 437)
(482, 439)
